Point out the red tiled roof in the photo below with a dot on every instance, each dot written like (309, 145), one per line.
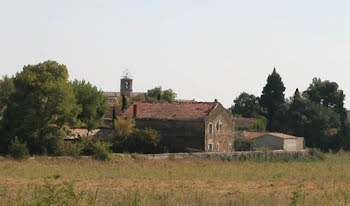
(109, 114)
(171, 111)
(253, 135)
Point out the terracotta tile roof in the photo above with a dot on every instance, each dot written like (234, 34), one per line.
(253, 135)
(171, 111)
(109, 114)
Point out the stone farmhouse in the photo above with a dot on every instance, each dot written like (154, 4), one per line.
(276, 141)
(187, 126)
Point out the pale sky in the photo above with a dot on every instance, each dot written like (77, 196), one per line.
(201, 49)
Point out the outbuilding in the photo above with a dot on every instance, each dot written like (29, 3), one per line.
(276, 141)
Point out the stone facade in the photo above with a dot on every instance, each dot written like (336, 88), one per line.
(187, 127)
(177, 135)
(219, 130)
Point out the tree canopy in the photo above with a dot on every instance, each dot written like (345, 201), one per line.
(157, 94)
(272, 96)
(92, 102)
(41, 104)
(6, 89)
(327, 94)
(246, 105)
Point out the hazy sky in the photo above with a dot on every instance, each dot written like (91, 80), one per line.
(201, 49)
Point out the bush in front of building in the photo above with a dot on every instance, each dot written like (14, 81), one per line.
(244, 144)
(18, 150)
(142, 141)
(127, 138)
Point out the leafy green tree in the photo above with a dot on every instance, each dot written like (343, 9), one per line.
(319, 125)
(168, 95)
(92, 101)
(138, 98)
(327, 94)
(246, 105)
(154, 95)
(42, 103)
(158, 95)
(272, 96)
(257, 125)
(6, 89)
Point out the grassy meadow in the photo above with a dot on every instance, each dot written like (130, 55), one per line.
(130, 180)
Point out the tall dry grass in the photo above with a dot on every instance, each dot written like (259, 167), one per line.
(134, 181)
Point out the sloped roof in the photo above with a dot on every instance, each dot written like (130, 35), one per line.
(171, 111)
(242, 123)
(253, 135)
(109, 114)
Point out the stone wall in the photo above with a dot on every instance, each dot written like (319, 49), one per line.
(228, 156)
(177, 136)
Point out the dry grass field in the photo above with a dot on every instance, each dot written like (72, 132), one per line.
(133, 181)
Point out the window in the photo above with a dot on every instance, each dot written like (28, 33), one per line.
(210, 128)
(217, 146)
(229, 147)
(210, 147)
(218, 126)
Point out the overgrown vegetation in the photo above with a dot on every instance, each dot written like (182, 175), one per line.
(127, 138)
(317, 114)
(128, 181)
(18, 150)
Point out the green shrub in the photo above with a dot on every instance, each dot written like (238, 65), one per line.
(171, 157)
(317, 154)
(18, 150)
(142, 141)
(244, 144)
(58, 194)
(101, 150)
(68, 148)
(87, 143)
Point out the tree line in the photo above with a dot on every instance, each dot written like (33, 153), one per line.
(317, 114)
(39, 103)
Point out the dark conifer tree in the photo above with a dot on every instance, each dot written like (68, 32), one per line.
(124, 103)
(272, 96)
(114, 115)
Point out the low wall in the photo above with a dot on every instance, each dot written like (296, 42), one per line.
(229, 156)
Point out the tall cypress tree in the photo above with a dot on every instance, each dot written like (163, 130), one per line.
(272, 96)
(114, 114)
(124, 102)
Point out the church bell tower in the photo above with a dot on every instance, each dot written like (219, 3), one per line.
(126, 84)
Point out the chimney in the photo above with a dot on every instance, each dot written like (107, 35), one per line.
(216, 100)
(135, 111)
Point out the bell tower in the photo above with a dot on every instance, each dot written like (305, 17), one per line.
(126, 84)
